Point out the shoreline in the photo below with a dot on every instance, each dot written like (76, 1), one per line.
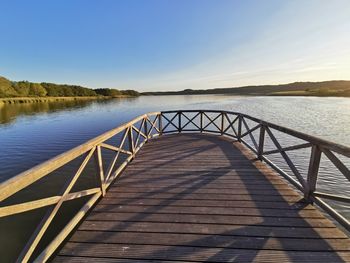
(276, 94)
(20, 100)
(26, 100)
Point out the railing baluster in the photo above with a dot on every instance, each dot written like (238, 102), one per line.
(261, 141)
(201, 121)
(160, 124)
(146, 128)
(179, 116)
(312, 174)
(222, 123)
(100, 169)
(131, 141)
(239, 127)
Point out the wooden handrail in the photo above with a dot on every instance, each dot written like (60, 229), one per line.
(137, 132)
(28, 177)
(266, 129)
(335, 147)
(92, 149)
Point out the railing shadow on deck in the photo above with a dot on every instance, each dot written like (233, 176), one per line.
(222, 245)
(135, 134)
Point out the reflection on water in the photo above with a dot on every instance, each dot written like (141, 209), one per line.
(9, 112)
(33, 133)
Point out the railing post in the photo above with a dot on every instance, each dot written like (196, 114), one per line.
(179, 128)
(131, 140)
(312, 174)
(201, 121)
(160, 124)
(261, 142)
(222, 123)
(146, 128)
(239, 127)
(100, 169)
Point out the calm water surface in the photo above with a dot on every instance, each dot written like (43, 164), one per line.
(33, 133)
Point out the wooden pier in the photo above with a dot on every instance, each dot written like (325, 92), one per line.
(197, 194)
(205, 200)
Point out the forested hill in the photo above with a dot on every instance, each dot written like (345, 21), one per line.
(324, 88)
(9, 89)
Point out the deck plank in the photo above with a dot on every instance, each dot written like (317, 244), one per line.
(199, 198)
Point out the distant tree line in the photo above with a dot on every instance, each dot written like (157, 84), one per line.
(116, 93)
(29, 89)
(323, 88)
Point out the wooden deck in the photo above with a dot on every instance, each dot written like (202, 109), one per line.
(193, 197)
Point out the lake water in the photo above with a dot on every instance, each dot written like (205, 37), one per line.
(33, 133)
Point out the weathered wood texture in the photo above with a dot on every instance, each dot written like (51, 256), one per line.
(196, 197)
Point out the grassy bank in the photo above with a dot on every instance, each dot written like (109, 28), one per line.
(18, 100)
(333, 88)
(316, 93)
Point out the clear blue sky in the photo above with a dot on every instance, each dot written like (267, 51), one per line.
(173, 45)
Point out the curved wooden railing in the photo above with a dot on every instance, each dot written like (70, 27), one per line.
(133, 136)
(127, 139)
